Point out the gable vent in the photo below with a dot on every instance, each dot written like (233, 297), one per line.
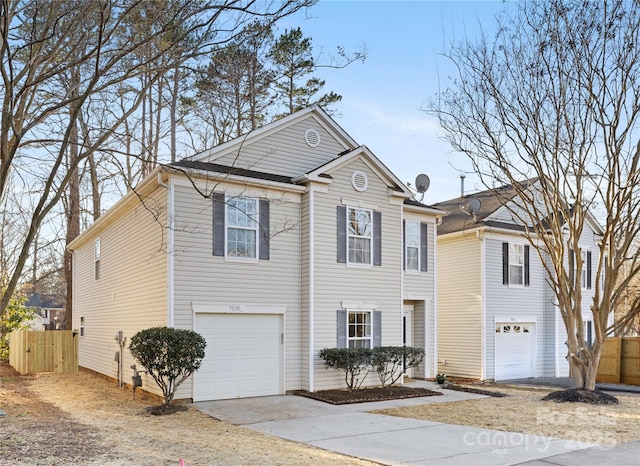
(359, 181)
(312, 138)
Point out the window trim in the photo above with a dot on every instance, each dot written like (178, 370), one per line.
(367, 324)
(97, 253)
(521, 266)
(255, 229)
(350, 235)
(418, 247)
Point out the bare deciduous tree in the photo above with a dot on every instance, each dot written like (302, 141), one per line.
(41, 43)
(555, 97)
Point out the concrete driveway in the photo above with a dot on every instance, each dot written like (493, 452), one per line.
(353, 431)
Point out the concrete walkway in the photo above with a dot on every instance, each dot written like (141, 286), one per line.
(352, 430)
(568, 382)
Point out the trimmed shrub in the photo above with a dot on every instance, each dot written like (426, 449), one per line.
(390, 362)
(169, 355)
(353, 361)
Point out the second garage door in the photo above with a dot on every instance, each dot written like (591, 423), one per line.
(514, 350)
(243, 357)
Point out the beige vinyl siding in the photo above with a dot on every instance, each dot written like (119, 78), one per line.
(459, 307)
(131, 294)
(421, 283)
(521, 302)
(200, 277)
(336, 283)
(286, 152)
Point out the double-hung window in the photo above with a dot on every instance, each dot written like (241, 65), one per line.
(96, 259)
(359, 329)
(412, 245)
(516, 264)
(360, 235)
(242, 227)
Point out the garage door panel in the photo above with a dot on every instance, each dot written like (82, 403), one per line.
(243, 356)
(514, 350)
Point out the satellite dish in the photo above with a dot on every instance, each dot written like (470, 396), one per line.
(422, 183)
(474, 206)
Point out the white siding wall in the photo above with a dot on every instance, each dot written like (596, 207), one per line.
(131, 294)
(459, 307)
(203, 278)
(520, 302)
(420, 286)
(286, 152)
(336, 282)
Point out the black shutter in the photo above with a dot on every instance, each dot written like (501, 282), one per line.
(342, 329)
(589, 270)
(264, 229)
(377, 238)
(218, 224)
(342, 233)
(505, 263)
(404, 245)
(424, 250)
(526, 266)
(376, 328)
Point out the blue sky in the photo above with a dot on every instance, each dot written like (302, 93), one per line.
(381, 98)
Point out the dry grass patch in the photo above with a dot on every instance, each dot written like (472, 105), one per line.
(524, 411)
(84, 419)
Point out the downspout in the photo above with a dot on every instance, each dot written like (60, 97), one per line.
(483, 313)
(170, 244)
(311, 287)
(434, 307)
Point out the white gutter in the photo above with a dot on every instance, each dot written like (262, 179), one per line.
(311, 287)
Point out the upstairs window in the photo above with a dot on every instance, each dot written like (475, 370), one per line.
(96, 259)
(360, 234)
(415, 246)
(412, 245)
(585, 272)
(241, 227)
(515, 264)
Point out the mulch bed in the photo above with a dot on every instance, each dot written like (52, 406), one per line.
(582, 395)
(364, 395)
(477, 391)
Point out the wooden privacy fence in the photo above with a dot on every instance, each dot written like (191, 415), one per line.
(32, 352)
(620, 361)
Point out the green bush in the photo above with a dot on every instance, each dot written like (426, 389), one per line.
(169, 355)
(15, 317)
(353, 361)
(391, 361)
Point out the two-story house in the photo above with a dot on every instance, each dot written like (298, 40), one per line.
(497, 315)
(274, 245)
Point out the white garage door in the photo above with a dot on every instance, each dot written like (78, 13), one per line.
(242, 358)
(514, 350)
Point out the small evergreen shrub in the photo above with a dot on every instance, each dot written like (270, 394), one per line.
(353, 361)
(390, 362)
(169, 355)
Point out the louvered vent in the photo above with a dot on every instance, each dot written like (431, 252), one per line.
(312, 138)
(359, 181)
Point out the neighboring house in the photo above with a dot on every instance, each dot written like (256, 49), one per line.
(497, 315)
(48, 315)
(272, 246)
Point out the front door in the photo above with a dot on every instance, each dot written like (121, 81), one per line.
(407, 332)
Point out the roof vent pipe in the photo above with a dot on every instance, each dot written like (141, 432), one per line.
(462, 185)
